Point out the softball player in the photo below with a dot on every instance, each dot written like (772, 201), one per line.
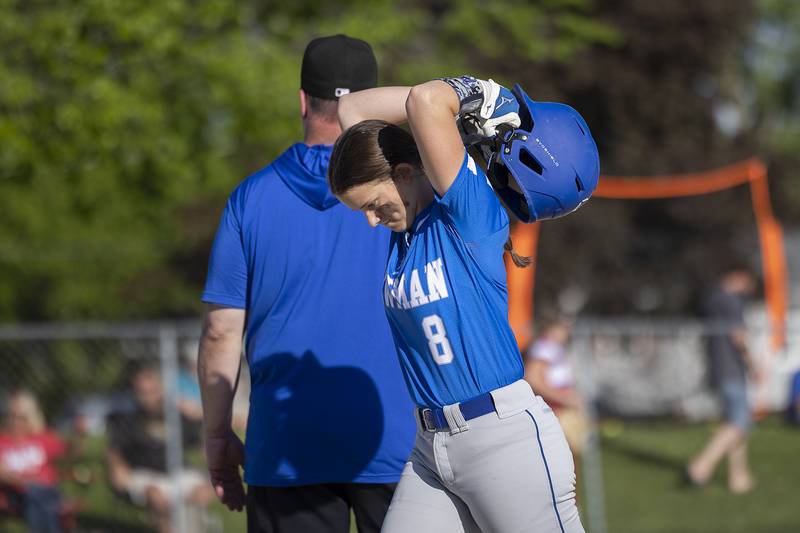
(489, 454)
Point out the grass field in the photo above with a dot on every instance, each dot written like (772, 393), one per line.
(643, 463)
(642, 466)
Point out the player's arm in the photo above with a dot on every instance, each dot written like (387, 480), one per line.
(380, 103)
(432, 108)
(481, 107)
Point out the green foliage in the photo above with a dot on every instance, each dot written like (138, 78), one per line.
(125, 124)
(526, 31)
(773, 67)
(118, 116)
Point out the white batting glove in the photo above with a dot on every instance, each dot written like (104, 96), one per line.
(484, 106)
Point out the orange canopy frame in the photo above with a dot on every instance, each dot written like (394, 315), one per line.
(773, 256)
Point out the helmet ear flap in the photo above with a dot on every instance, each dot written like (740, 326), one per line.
(506, 187)
(498, 174)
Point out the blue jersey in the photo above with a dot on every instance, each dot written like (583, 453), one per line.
(446, 298)
(327, 403)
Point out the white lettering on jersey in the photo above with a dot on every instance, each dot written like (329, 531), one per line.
(415, 290)
(402, 299)
(394, 291)
(437, 288)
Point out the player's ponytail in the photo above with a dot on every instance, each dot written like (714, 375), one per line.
(521, 261)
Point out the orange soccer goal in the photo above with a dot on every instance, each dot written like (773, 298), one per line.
(753, 171)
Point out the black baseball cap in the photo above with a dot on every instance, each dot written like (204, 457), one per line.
(337, 65)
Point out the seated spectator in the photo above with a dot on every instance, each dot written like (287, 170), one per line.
(28, 473)
(189, 402)
(137, 453)
(549, 371)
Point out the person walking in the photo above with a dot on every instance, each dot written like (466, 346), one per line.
(330, 426)
(730, 363)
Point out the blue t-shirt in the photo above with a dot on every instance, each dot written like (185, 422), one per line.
(446, 298)
(328, 404)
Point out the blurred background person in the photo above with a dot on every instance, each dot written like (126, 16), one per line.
(550, 372)
(137, 453)
(189, 401)
(28, 472)
(730, 363)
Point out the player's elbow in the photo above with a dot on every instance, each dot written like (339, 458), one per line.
(420, 96)
(423, 98)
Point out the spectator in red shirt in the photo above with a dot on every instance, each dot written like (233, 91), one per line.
(28, 474)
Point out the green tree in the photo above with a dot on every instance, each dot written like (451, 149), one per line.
(771, 96)
(124, 125)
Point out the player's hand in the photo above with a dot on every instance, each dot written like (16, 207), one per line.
(498, 108)
(224, 456)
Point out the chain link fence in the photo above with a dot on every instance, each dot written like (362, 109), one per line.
(124, 399)
(82, 376)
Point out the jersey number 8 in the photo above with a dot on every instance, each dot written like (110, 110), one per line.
(438, 344)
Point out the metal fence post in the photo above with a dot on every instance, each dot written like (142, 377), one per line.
(591, 459)
(168, 353)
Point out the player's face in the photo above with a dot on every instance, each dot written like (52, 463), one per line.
(381, 203)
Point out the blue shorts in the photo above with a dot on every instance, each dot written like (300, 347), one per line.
(735, 405)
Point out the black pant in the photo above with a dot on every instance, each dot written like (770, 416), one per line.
(318, 508)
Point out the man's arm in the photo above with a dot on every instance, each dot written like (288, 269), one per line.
(739, 338)
(9, 477)
(119, 472)
(218, 373)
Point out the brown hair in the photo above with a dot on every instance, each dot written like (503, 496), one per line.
(369, 151)
(521, 261)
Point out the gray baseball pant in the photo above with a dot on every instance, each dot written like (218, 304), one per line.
(504, 472)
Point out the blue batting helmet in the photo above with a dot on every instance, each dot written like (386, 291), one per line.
(551, 159)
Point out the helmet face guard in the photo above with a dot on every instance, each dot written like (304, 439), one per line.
(549, 166)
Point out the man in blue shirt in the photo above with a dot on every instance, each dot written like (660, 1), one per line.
(330, 424)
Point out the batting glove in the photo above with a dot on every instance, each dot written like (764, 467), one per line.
(485, 108)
